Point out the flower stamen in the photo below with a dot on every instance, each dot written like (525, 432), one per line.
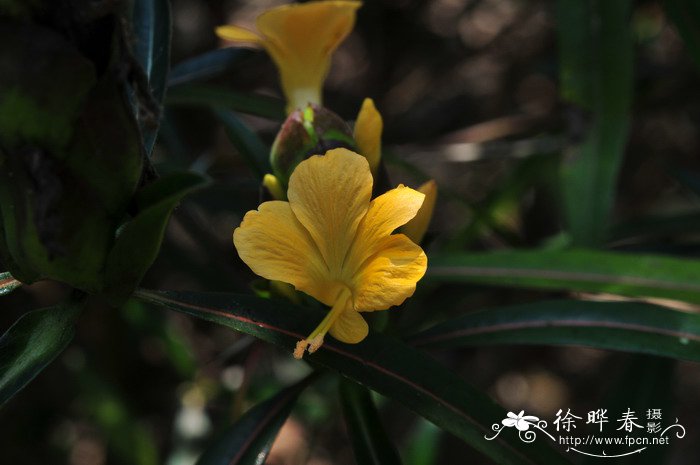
(315, 340)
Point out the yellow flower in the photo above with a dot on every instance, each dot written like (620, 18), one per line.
(301, 39)
(331, 242)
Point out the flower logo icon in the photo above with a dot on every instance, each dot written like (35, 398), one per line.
(520, 421)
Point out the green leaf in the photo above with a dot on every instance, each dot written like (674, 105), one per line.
(686, 16)
(596, 55)
(248, 441)
(8, 283)
(248, 144)
(206, 65)
(153, 30)
(579, 270)
(369, 440)
(626, 326)
(138, 242)
(380, 363)
(218, 97)
(31, 344)
(423, 445)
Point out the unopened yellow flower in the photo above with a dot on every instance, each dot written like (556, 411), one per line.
(273, 186)
(418, 226)
(301, 39)
(331, 242)
(368, 137)
(368, 134)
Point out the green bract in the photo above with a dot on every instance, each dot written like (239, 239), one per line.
(311, 131)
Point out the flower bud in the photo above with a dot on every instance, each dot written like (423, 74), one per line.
(311, 131)
(272, 184)
(368, 134)
(418, 226)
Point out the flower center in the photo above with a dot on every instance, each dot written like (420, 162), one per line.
(315, 339)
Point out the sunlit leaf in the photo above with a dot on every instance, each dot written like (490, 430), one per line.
(580, 270)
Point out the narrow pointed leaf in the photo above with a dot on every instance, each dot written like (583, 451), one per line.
(206, 65)
(218, 97)
(8, 283)
(369, 440)
(627, 326)
(423, 445)
(380, 363)
(33, 342)
(596, 55)
(138, 242)
(248, 441)
(153, 30)
(634, 275)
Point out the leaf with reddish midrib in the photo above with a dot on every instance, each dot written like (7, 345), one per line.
(627, 326)
(380, 362)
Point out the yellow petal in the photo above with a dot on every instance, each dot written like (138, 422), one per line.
(390, 277)
(330, 195)
(273, 243)
(350, 327)
(368, 134)
(238, 34)
(386, 213)
(301, 39)
(417, 227)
